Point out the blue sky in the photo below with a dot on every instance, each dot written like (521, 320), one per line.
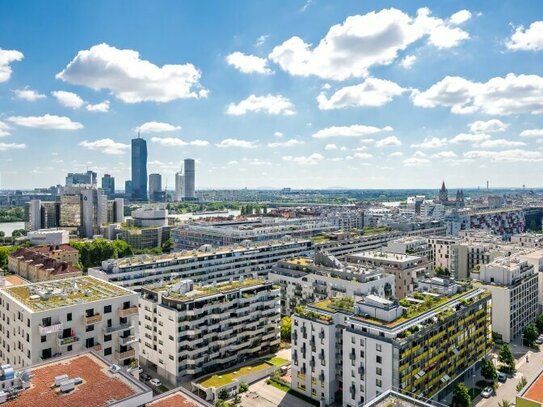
(272, 93)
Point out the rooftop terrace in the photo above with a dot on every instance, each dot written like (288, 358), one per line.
(61, 293)
(533, 391)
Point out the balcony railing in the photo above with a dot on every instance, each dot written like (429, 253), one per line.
(130, 353)
(96, 348)
(68, 340)
(126, 340)
(126, 312)
(115, 328)
(93, 319)
(56, 327)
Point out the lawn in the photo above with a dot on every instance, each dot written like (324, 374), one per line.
(292, 392)
(277, 362)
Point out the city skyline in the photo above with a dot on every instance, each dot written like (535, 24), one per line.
(296, 99)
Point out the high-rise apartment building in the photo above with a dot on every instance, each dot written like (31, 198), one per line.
(108, 185)
(155, 187)
(139, 169)
(190, 175)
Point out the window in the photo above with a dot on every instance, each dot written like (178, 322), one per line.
(378, 347)
(107, 309)
(69, 316)
(89, 328)
(69, 349)
(43, 338)
(107, 351)
(379, 359)
(379, 371)
(107, 338)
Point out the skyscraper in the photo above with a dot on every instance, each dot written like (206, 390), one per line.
(108, 185)
(155, 187)
(139, 169)
(189, 178)
(179, 186)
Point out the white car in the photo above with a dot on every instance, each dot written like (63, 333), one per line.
(115, 368)
(155, 382)
(487, 392)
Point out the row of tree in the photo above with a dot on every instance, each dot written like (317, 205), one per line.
(253, 209)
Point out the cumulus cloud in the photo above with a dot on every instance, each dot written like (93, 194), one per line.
(493, 143)
(532, 133)
(469, 138)
(278, 134)
(4, 129)
(11, 146)
(312, 159)
(390, 141)
(176, 142)
(105, 146)
(408, 61)
(68, 99)
(372, 92)
(527, 39)
(330, 147)
(47, 121)
(248, 63)
(362, 156)
(356, 130)
(28, 94)
(157, 127)
(460, 17)
(349, 49)
(236, 143)
(515, 155)
(431, 142)
(287, 143)
(444, 155)
(396, 154)
(6, 58)
(130, 78)
(512, 94)
(490, 126)
(261, 40)
(416, 162)
(102, 107)
(270, 104)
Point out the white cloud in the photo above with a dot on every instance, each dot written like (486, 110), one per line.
(255, 161)
(236, 143)
(419, 154)
(356, 130)
(532, 133)
(433, 142)
(390, 141)
(512, 94)
(270, 104)
(278, 134)
(105, 146)
(460, 17)
(130, 78)
(287, 143)
(349, 49)
(11, 146)
(362, 156)
(408, 61)
(46, 121)
(156, 127)
(261, 40)
(4, 129)
(416, 162)
(102, 107)
(176, 142)
(445, 155)
(527, 39)
(490, 126)
(505, 155)
(28, 94)
(371, 92)
(312, 159)
(6, 58)
(68, 99)
(396, 154)
(470, 138)
(330, 147)
(248, 63)
(500, 143)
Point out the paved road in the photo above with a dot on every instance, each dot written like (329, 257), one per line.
(264, 395)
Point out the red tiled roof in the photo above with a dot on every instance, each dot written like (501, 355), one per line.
(37, 258)
(535, 391)
(175, 400)
(51, 248)
(99, 385)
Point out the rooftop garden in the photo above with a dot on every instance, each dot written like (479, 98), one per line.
(202, 291)
(336, 303)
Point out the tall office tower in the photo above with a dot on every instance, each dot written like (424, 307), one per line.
(108, 185)
(189, 178)
(128, 189)
(139, 169)
(179, 186)
(83, 178)
(33, 215)
(155, 187)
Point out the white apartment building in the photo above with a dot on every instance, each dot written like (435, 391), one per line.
(304, 281)
(204, 265)
(514, 286)
(189, 330)
(530, 240)
(535, 258)
(415, 245)
(442, 251)
(64, 317)
(349, 352)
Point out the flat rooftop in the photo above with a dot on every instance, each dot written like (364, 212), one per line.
(177, 398)
(534, 390)
(99, 388)
(13, 280)
(379, 255)
(53, 294)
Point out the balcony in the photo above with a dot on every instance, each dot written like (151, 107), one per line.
(68, 340)
(130, 353)
(127, 312)
(93, 319)
(51, 329)
(127, 340)
(96, 348)
(116, 328)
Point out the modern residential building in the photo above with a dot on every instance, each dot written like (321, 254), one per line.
(304, 281)
(190, 178)
(346, 219)
(108, 185)
(48, 237)
(406, 268)
(64, 317)
(189, 330)
(442, 251)
(351, 352)
(504, 222)
(415, 245)
(205, 265)
(155, 187)
(529, 240)
(139, 169)
(514, 287)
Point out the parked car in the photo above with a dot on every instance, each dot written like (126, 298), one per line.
(539, 341)
(502, 377)
(155, 382)
(145, 376)
(114, 368)
(487, 392)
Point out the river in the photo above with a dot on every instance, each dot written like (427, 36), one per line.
(9, 227)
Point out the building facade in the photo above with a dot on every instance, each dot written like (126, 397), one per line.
(139, 169)
(190, 178)
(155, 187)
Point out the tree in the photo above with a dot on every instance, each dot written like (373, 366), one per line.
(18, 233)
(488, 370)
(521, 383)
(243, 387)
(539, 323)
(286, 328)
(167, 246)
(530, 334)
(223, 394)
(504, 403)
(506, 357)
(461, 396)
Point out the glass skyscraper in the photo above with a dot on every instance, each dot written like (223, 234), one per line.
(139, 169)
